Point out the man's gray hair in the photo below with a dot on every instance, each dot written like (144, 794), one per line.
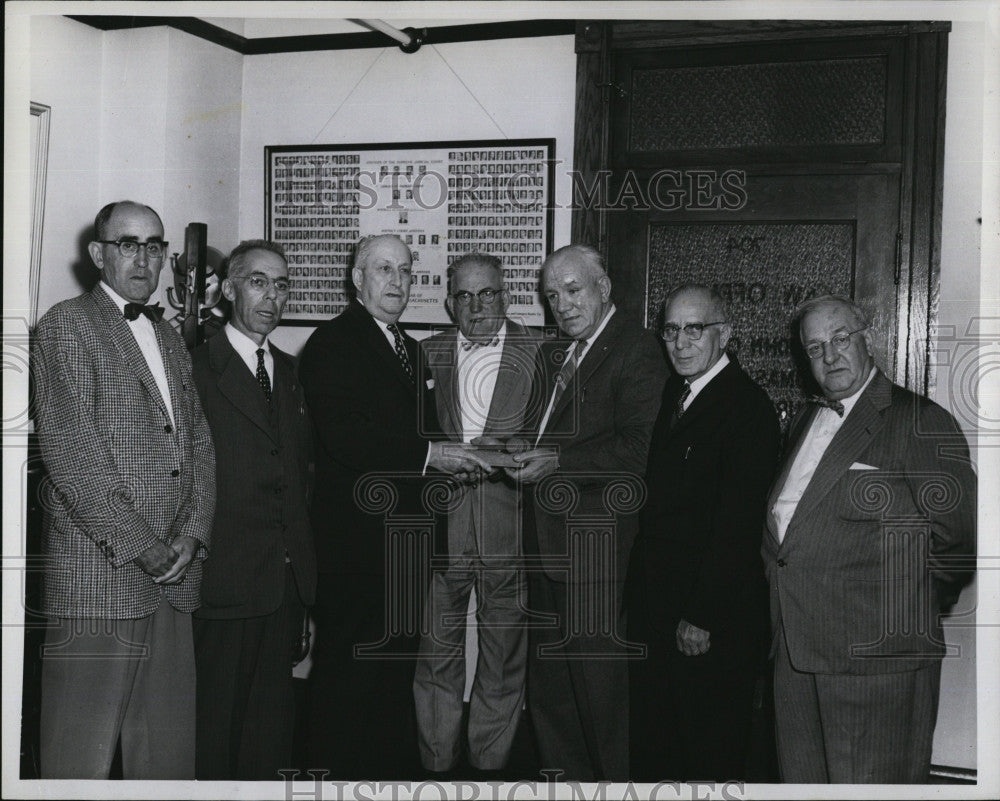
(366, 243)
(718, 303)
(585, 253)
(861, 317)
(237, 263)
(472, 259)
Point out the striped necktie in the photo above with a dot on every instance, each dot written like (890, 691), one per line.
(401, 350)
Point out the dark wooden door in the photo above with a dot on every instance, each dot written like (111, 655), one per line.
(795, 237)
(775, 161)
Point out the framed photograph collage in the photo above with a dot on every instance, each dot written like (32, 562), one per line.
(443, 199)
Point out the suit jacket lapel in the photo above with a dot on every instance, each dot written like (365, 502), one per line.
(442, 354)
(592, 361)
(237, 383)
(513, 361)
(125, 341)
(854, 436)
(703, 402)
(378, 341)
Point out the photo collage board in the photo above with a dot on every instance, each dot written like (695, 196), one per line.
(443, 199)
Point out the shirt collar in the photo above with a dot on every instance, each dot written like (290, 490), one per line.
(243, 345)
(702, 381)
(850, 400)
(597, 332)
(118, 299)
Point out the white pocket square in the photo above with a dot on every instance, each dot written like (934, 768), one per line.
(862, 466)
(430, 383)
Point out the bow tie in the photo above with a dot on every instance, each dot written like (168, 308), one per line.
(820, 400)
(469, 345)
(133, 310)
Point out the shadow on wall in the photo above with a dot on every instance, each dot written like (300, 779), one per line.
(83, 269)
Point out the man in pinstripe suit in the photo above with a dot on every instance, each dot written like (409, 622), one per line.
(128, 510)
(871, 520)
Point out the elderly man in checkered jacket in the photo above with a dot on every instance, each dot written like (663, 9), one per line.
(128, 510)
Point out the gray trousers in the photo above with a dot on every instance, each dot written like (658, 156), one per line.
(498, 688)
(856, 729)
(102, 679)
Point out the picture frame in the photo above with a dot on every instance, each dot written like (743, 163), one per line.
(443, 199)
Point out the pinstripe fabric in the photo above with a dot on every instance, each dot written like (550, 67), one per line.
(121, 475)
(842, 728)
(857, 585)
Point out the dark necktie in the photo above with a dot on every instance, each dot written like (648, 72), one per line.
(401, 350)
(262, 377)
(685, 394)
(821, 400)
(567, 370)
(133, 310)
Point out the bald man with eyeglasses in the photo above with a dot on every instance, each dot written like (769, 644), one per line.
(870, 536)
(698, 601)
(128, 514)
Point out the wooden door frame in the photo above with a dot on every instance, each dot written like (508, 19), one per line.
(918, 247)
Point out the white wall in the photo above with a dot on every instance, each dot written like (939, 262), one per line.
(518, 88)
(955, 736)
(66, 69)
(150, 114)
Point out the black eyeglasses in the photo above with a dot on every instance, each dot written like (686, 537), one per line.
(692, 331)
(129, 248)
(814, 350)
(486, 296)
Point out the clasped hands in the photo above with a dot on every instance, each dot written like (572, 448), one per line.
(168, 564)
(464, 463)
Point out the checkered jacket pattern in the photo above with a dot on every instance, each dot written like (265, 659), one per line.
(120, 474)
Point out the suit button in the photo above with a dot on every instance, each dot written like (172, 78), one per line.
(175, 473)
(274, 451)
(277, 490)
(168, 429)
(781, 563)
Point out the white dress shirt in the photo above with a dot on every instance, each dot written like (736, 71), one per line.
(246, 349)
(569, 355)
(816, 440)
(478, 368)
(145, 337)
(701, 381)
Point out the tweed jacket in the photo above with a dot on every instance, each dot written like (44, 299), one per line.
(881, 539)
(120, 474)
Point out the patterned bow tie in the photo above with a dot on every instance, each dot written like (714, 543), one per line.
(133, 310)
(469, 345)
(820, 400)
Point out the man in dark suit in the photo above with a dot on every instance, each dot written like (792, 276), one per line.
(262, 570)
(128, 512)
(359, 372)
(483, 390)
(870, 530)
(591, 449)
(698, 600)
